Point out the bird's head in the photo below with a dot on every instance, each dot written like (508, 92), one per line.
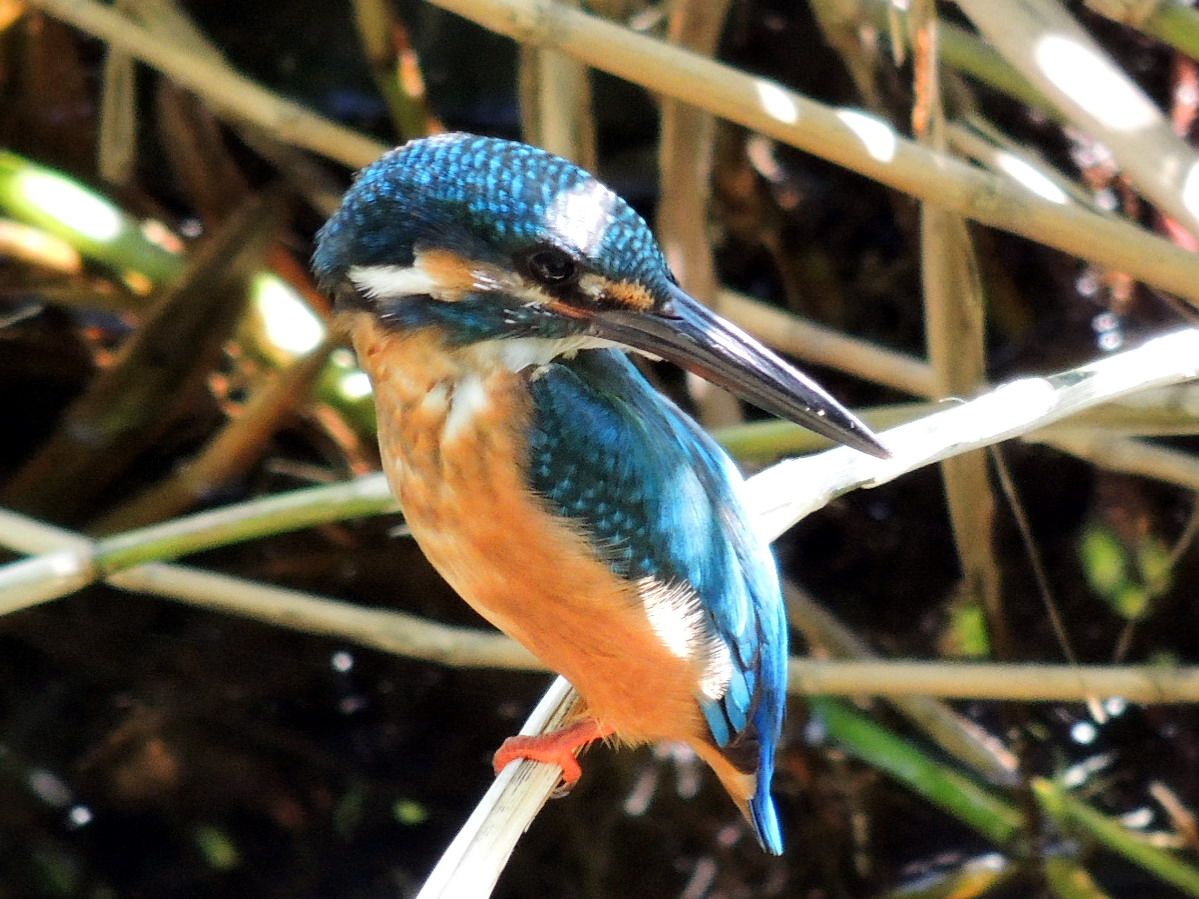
(492, 240)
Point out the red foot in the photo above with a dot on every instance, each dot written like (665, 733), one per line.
(557, 748)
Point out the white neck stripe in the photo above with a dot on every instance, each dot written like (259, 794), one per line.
(391, 282)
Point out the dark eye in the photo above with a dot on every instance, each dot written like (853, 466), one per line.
(552, 267)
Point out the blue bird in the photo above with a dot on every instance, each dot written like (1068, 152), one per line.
(491, 290)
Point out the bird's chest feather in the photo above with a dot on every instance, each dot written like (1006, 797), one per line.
(454, 441)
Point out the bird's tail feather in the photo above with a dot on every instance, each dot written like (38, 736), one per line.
(751, 792)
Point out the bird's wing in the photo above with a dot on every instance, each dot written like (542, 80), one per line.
(660, 499)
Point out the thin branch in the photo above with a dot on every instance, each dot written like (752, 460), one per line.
(458, 647)
(821, 345)
(65, 570)
(556, 104)
(1145, 684)
(787, 492)
(686, 144)
(1128, 455)
(955, 339)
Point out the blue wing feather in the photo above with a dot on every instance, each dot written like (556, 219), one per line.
(661, 499)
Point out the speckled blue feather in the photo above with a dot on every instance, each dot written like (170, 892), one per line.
(486, 197)
(659, 499)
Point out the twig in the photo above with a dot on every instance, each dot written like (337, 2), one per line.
(62, 571)
(555, 104)
(686, 145)
(459, 647)
(1010, 682)
(821, 345)
(955, 339)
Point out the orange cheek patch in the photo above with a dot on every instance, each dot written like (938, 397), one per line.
(629, 295)
(452, 274)
(457, 276)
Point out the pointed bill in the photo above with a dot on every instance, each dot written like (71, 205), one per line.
(690, 335)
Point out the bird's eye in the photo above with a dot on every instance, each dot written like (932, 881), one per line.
(552, 267)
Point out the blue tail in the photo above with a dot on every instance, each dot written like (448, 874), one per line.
(765, 819)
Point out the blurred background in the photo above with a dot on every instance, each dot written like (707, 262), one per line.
(163, 351)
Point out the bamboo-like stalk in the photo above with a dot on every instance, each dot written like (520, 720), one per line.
(821, 345)
(116, 144)
(1011, 682)
(955, 338)
(846, 137)
(24, 583)
(555, 104)
(686, 144)
(221, 527)
(1128, 455)
(395, 632)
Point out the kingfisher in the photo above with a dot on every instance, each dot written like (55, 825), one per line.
(492, 292)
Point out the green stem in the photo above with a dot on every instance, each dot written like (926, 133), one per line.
(246, 521)
(1063, 807)
(85, 219)
(993, 817)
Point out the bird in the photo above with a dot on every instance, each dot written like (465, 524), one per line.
(492, 293)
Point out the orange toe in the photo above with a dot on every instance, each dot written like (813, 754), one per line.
(555, 748)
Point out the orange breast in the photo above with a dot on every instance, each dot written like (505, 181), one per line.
(452, 433)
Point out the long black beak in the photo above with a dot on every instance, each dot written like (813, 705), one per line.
(691, 336)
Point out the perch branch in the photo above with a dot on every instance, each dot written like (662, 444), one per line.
(781, 495)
